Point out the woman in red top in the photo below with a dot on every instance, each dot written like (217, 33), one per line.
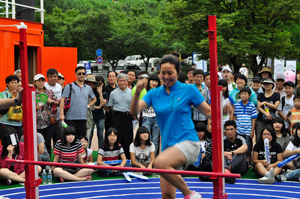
(69, 150)
(9, 171)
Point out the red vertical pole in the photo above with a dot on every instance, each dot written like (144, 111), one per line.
(32, 180)
(216, 111)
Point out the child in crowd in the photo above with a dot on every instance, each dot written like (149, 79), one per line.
(244, 116)
(43, 154)
(88, 153)
(292, 149)
(282, 137)
(142, 151)
(293, 115)
(262, 168)
(204, 160)
(69, 150)
(111, 150)
(286, 102)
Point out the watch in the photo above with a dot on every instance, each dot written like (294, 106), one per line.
(16, 100)
(232, 153)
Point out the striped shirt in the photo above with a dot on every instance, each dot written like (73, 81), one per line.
(244, 115)
(109, 154)
(67, 153)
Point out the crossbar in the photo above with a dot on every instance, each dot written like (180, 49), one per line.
(164, 171)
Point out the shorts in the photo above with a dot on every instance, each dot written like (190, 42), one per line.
(190, 150)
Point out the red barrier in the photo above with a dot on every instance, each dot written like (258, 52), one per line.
(165, 171)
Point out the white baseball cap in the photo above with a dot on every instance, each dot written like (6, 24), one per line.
(226, 68)
(39, 76)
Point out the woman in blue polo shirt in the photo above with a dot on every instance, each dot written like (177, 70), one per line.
(172, 104)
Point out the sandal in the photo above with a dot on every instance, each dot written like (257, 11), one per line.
(88, 178)
(61, 179)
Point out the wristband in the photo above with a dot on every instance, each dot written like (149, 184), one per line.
(88, 106)
(232, 153)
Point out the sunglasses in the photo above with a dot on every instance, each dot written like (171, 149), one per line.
(80, 73)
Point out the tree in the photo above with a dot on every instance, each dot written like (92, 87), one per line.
(246, 29)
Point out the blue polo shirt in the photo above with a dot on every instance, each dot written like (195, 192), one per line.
(173, 112)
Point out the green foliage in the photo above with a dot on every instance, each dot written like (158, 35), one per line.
(245, 29)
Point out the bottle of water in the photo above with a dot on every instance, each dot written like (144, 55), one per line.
(44, 176)
(49, 177)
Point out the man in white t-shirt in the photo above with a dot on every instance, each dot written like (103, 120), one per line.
(226, 73)
(51, 84)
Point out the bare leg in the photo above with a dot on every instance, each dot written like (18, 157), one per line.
(83, 172)
(261, 169)
(59, 172)
(8, 174)
(290, 165)
(168, 191)
(171, 158)
(277, 170)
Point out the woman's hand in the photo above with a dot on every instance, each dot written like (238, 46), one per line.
(10, 149)
(265, 163)
(39, 107)
(140, 85)
(269, 116)
(99, 89)
(142, 166)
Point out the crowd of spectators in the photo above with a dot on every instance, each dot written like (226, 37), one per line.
(268, 109)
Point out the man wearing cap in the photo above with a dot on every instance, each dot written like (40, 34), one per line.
(52, 85)
(279, 81)
(61, 81)
(120, 99)
(226, 74)
(255, 85)
(80, 93)
(111, 86)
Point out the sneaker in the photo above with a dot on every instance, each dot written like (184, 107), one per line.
(280, 178)
(8, 182)
(266, 180)
(271, 173)
(288, 171)
(229, 180)
(193, 195)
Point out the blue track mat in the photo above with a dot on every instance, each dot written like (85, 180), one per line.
(119, 188)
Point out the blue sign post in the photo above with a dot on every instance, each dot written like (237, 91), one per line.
(87, 67)
(99, 60)
(99, 52)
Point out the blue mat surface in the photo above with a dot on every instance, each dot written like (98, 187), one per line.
(119, 188)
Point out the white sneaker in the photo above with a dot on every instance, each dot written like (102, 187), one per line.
(271, 173)
(266, 180)
(289, 171)
(193, 195)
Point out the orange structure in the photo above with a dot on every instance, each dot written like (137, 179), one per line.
(40, 58)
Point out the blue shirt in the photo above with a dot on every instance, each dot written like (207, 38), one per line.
(173, 112)
(120, 100)
(79, 100)
(244, 115)
(235, 94)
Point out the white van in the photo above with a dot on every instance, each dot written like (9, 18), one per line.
(152, 65)
(134, 60)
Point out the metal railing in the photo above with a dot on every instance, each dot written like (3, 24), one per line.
(14, 4)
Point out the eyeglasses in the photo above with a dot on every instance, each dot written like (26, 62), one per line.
(80, 73)
(266, 134)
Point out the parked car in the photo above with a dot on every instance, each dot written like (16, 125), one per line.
(134, 60)
(152, 65)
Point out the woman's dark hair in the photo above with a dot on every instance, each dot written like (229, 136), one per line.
(107, 133)
(70, 130)
(153, 77)
(100, 79)
(7, 130)
(137, 139)
(223, 83)
(200, 126)
(11, 78)
(281, 121)
(260, 140)
(296, 140)
(181, 77)
(172, 59)
(297, 82)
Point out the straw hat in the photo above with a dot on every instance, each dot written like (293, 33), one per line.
(92, 78)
